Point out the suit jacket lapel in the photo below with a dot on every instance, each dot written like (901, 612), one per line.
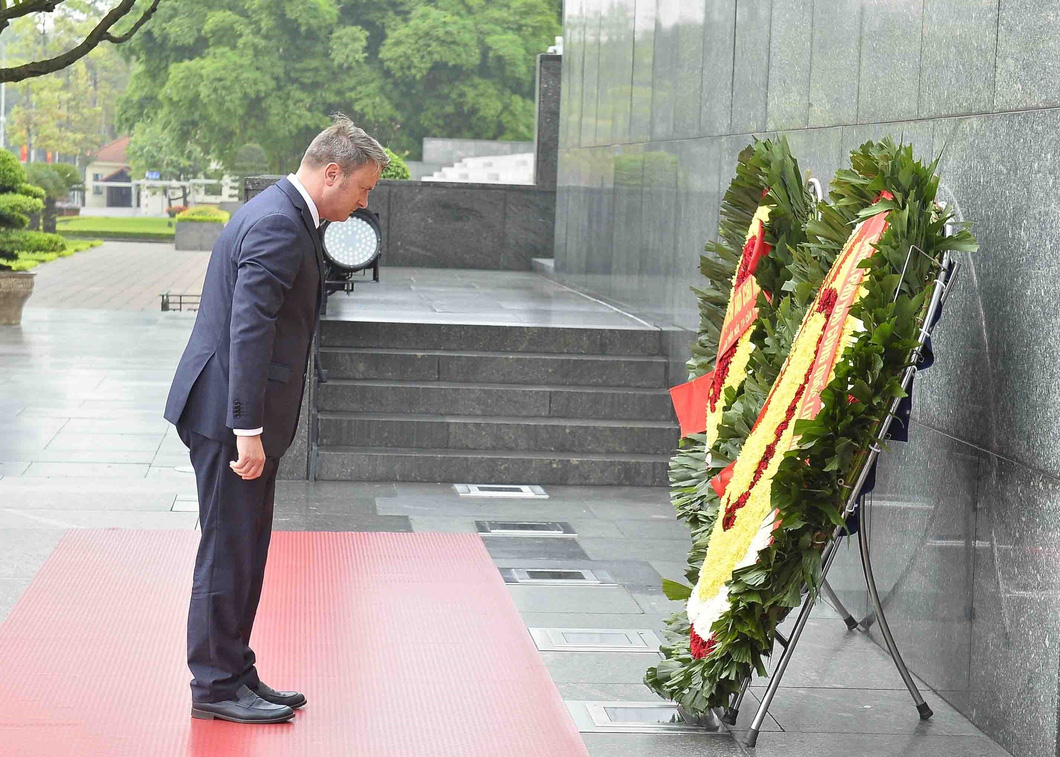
(299, 202)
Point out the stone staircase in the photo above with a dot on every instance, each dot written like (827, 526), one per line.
(517, 168)
(493, 404)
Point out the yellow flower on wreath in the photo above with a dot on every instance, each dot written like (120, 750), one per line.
(747, 517)
(735, 369)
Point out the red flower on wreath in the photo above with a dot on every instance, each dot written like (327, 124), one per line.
(825, 304)
(701, 648)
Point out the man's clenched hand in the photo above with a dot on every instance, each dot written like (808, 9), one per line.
(251, 460)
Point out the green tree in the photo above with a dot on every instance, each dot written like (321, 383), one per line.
(70, 111)
(153, 148)
(251, 160)
(18, 201)
(221, 74)
(112, 26)
(45, 176)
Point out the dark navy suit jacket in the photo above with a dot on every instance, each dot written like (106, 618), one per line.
(246, 359)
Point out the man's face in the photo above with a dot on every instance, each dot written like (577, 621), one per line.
(344, 194)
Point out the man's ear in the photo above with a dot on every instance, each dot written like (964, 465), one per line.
(332, 174)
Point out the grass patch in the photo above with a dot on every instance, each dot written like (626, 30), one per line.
(116, 227)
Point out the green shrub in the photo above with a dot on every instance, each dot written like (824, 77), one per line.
(19, 264)
(12, 174)
(398, 168)
(41, 257)
(15, 209)
(70, 174)
(31, 190)
(48, 247)
(38, 241)
(203, 214)
(44, 176)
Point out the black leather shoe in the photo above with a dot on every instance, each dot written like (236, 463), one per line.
(245, 707)
(289, 698)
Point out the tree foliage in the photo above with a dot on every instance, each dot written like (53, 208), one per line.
(216, 76)
(70, 111)
(118, 24)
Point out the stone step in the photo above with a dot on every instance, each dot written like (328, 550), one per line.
(491, 467)
(567, 435)
(462, 337)
(494, 367)
(458, 398)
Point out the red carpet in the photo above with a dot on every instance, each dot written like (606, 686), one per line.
(405, 645)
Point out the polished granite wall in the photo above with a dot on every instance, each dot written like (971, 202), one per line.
(658, 98)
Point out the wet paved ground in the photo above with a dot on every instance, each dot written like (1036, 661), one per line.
(83, 444)
(118, 276)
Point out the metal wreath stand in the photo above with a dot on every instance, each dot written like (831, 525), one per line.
(857, 503)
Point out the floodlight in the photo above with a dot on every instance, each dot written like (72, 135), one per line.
(353, 244)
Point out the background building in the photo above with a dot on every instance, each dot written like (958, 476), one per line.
(658, 97)
(109, 164)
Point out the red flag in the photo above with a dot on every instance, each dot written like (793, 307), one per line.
(23, 154)
(690, 402)
(48, 156)
(721, 481)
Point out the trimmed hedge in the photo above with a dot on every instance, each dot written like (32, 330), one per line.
(204, 214)
(31, 190)
(12, 174)
(144, 236)
(22, 240)
(397, 169)
(15, 210)
(26, 260)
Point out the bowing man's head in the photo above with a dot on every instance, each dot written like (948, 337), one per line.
(340, 167)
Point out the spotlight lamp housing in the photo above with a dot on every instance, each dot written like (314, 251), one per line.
(354, 244)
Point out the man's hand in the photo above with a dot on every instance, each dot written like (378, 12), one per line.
(251, 460)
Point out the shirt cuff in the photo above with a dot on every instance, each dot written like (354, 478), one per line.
(248, 431)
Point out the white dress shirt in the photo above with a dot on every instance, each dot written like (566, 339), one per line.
(316, 222)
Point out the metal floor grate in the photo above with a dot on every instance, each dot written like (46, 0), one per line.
(595, 640)
(635, 717)
(515, 491)
(548, 529)
(557, 577)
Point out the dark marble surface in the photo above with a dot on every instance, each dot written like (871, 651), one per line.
(640, 106)
(959, 48)
(688, 82)
(835, 62)
(664, 68)
(590, 41)
(459, 225)
(429, 224)
(789, 64)
(1016, 634)
(1028, 55)
(750, 76)
(546, 125)
(975, 80)
(890, 61)
(718, 45)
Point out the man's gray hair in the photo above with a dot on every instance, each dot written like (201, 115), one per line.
(348, 145)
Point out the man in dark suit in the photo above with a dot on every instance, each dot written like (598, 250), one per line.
(236, 397)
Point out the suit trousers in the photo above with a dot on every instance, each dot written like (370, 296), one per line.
(235, 517)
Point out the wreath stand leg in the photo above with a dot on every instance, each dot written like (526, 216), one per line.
(877, 607)
(838, 606)
(947, 270)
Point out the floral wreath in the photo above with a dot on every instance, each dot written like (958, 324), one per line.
(762, 217)
(785, 490)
